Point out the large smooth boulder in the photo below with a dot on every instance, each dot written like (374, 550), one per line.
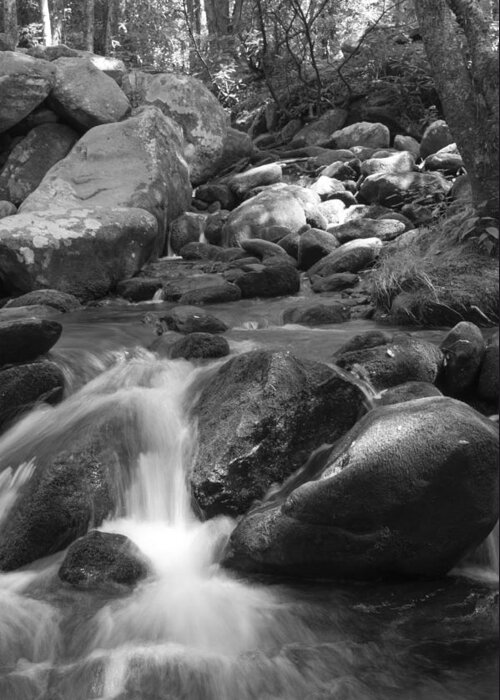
(400, 162)
(368, 134)
(290, 207)
(259, 417)
(137, 289)
(436, 136)
(242, 183)
(52, 298)
(24, 340)
(66, 495)
(396, 188)
(367, 228)
(31, 159)
(199, 346)
(276, 280)
(191, 105)
(25, 82)
(349, 257)
(211, 294)
(463, 349)
(187, 228)
(407, 492)
(135, 163)
(316, 314)
(314, 245)
(23, 386)
(85, 96)
(192, 319)
(103, 560)
(79, 251)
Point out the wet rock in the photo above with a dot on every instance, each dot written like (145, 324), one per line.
(200, 251)
(463, 349)
(272, 281)
(26, 82)
(32, 158)
(23, 386)
(367, 228)
(315, 245)
(84, 96)
(487, 386)
(348, 258)
(199, 346)
(242, 183)
(259, 417)
(138, 288)
(314, 314)
(397, 188)
(33, 311)
(361, 341)
(192, 319)
(368, 134)
(335, 282)
(175, 288)
(409, 391)
(24, 340)
(408, 491)
(46, 297)
(436, 136)
(216, 294)
(404, 359)
(103, 560)
(213, 192)
(66, 495)
(187, 228)
(263, 249)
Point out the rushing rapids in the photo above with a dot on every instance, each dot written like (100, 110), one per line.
(191, 629)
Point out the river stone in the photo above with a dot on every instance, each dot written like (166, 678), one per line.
(269, 281)
(25, 82)
(318, 131)
(368, 134)
(46, 297)
(7, 209)
(463, 349)
(314, 245)
(103, 560)
(84, 96)
(32, 311)
(187, 228)
(213, 192)
(314, 314)
(408, 491)
(348, 258)
(137, 163)
(83, 252)
(404, 359)
(367, 228)
(407, 143)
(65, 496)
(192, 319)
(396, 188)
(263, 249)
(409, 391)
(400, 162)
(327, 187)
(290, 244)
(259, 417)
(199, 346)
(488, 381)
(436, 136)
(335, 282)
(215, 294)
(214, 224)
(196, 250)
(367, 339)
(236, 146)
(32, 158)
(173, 289)
(138, 288)
(24, 340)
(22, 386)
(241, 183)
(448, 160)
(343, 170)
(333, 210)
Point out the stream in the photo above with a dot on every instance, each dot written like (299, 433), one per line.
(192, 630)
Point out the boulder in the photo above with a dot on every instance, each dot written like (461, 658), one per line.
(334, 283)
(236, 146)
(31, 159)
(367, 134)
(407, 143)
(104, 561)
(67, 494)
(487, 385)
(290, 244)
(448, 160)
(215, 294)
(196, 250)
(214, 224)
(272, 281)
(23, 386)
(26, 82)
(396, 188)
(343, 170)
(46, 297)
(314, 245)
(367, 228)
(463, 349)
(136, 163)
(367, 339)
(7, 209)
(192, 319)
(187, 228)
(318, 131)
(327, 187)
(213, 192)
(242, 183)
(24, 340)
(84, 96)
(333, 210)
(407, 492)
(259, 417)
(314, 314)
(436, 136)
(263, 249)
(197, 346)
(173, 289)
(138, 288)
(290, 207)
(348, 258)
(409, 391)
(401, 162)
(83, 252)
(403, 360)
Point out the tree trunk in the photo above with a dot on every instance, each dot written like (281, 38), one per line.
(217, 13)
(47, 30)
(57, 21)
(89, 25)
(193, 10)
(112, 15)
(10, 19)
(468, 93)
(237, 18)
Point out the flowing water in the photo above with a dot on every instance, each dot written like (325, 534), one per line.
(192, 630)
